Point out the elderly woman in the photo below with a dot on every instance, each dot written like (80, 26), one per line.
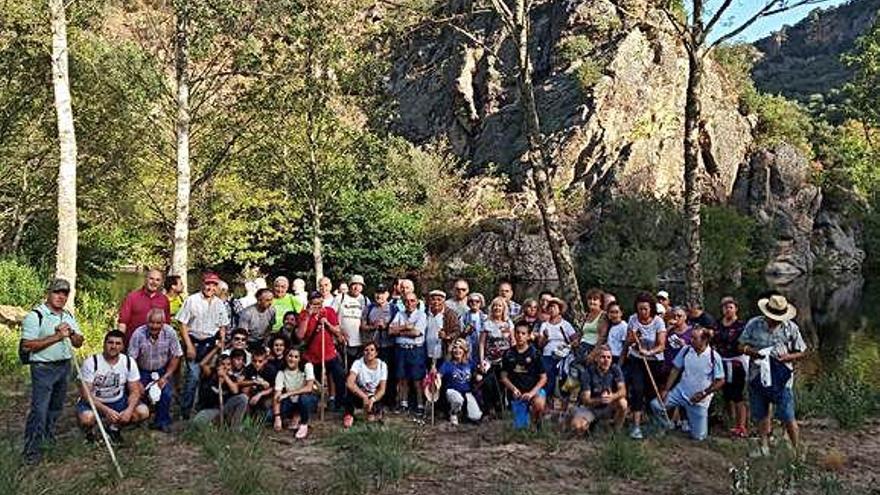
(556, 333)
(458, 375)
(472, 323)
(495, 339)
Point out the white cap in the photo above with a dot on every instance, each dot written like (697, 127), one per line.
(663, 295)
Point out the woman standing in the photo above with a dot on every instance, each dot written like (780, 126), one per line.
(595, 328)
(730, 327)
(294, 394)
(646, 336)
(529, 317)
(495, 339)
(556, 333)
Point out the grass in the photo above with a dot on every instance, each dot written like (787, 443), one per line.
(376, 457)
(627, 459)
(840, 395)
(237, 456)
(548, 437)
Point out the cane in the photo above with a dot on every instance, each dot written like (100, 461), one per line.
(220, 380)
(95, 412)
(323, 402)
(653, 383)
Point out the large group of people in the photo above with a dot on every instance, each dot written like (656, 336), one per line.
(279, 356)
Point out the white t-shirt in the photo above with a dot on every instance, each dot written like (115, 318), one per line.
(288, 380)
(367, 379)
(649, 335)
(109, 382)
(617, 338)
(557, 334)
(351, 310)
(698, 371)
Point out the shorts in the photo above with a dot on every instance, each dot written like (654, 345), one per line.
(411, 363)
(82, 405)
(734, 390)
(760, 405)
(593, 413)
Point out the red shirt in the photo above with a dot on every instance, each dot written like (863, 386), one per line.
(137, 304)
(313, 337)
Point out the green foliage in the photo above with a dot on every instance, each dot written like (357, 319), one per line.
(20, 284)
(574, 48)
(11, 472)
(375, 456)
(727, 237)
(842, 395)
(864, 88)
(237, 456)
(588, 73)
(782, 472)
(779, 120)
(627, 459)
(737, 61)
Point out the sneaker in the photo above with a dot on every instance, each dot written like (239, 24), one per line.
(762, 451)
(347, 421)
(685, 427)
(303, 431)
(420, 410)
(115, 436)
(739, 432)
(453, 420)
(403, 407)
(636, 433)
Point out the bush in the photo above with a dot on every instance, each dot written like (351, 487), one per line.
(238, 456)
(779, 120)
(627, 459)
(841, 395)
(20, 284)
(727, 239)
(574, 48)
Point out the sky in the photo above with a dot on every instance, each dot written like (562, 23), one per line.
(743, 9)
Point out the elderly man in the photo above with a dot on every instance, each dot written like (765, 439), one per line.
(351, 309)
(774, 342)
(47, 334)
(259, 318)
(203, 320)
(112, 381)
(458, 301)
(156, 349)
(702, 374)
(136, 305)
(283, 301)
(603, 393)
(408, 327)
(505, 291)
(443, 327)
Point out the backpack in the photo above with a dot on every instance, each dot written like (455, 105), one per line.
(24, 355)
(127, 362)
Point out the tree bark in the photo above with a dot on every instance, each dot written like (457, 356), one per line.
(65, 258)
(179, 259)
(540, 160)
(692, 176)
(317, 247)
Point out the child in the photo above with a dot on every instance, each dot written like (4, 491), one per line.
(616, 331)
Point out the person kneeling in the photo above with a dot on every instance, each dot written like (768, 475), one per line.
(113, 382)
(702, 374)
(366, 385)
(294, 394)
(458, 375)
(603, 393)
(523, 375)
(219, 394)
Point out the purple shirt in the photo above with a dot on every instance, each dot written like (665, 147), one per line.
(150, 354)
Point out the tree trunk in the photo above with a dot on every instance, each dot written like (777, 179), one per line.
(317, 248)
(179, 261)
(540, 160)
(692, 177)
(65, 258)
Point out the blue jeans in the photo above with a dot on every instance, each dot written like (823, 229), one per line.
(304, 405)
(193, 374)
(697, 416)
(550, 363)
(760, 405)
(48, 388)
(163, 407)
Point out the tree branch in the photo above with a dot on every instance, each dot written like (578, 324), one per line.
(772, 7)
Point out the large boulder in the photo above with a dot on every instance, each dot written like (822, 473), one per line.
(12, 315)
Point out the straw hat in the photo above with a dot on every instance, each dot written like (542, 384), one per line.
(559, 302)
(777, 308)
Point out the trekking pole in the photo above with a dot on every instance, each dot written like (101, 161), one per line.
(322, 405)
(653, 383)
(95, 412)
(220, 380)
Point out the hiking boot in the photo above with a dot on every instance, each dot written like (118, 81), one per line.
(420, 410)
(347, 421)
(303, 431)
(33, 458)
(115, 436)
(403, 407)
(453, 420)
(762, 451)
(636, 433)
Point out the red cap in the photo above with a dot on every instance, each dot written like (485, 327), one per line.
(210, 278)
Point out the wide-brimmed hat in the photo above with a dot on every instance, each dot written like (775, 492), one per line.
(562, 304)
(777, 308)
(356, 279)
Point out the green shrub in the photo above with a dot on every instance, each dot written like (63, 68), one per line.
(574, 48)
(238, 456)
(627, 459)
(20, 284)
(588, 74)
(841, 395)
(780, 120)
(727, 237)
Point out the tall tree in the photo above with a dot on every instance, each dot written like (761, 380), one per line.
(179, 259)
(517, 23)
(696, 28)
(65, 262)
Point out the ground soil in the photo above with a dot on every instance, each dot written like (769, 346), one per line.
(467, 459)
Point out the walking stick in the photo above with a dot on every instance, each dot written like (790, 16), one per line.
(95, 412)
(653, 383)
(220, 380)
(323, 402)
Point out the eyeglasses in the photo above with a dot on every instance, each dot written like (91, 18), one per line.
(238, 339)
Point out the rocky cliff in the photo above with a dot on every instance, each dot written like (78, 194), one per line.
(610, 84)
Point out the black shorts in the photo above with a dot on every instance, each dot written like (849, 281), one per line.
(734, 390)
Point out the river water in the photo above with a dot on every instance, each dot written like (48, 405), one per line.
(837, 317)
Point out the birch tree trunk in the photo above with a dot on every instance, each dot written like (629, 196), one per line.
(65, 257)
(179, 261)
(317, 247)
(692, 178)
(540, 160)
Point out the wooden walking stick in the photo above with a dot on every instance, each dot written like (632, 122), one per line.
(322, 405)
(219, 379)
(651, 377)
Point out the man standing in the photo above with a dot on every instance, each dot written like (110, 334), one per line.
(204, 319)
(156, 349)
(283, 301)
(325, 287)
(443, 327)
(377, 317)
(697, 316)
(258, 319)
(112, 381)
(174, 293)
(505, 291)
(458, 301)
(44, 335)
(351, 312)
(702, 374)
(409, 328)
(774, 342)
(138, 303)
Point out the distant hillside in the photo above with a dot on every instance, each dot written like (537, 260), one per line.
(804, 59)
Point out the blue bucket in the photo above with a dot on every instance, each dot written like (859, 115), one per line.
(520, 414)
